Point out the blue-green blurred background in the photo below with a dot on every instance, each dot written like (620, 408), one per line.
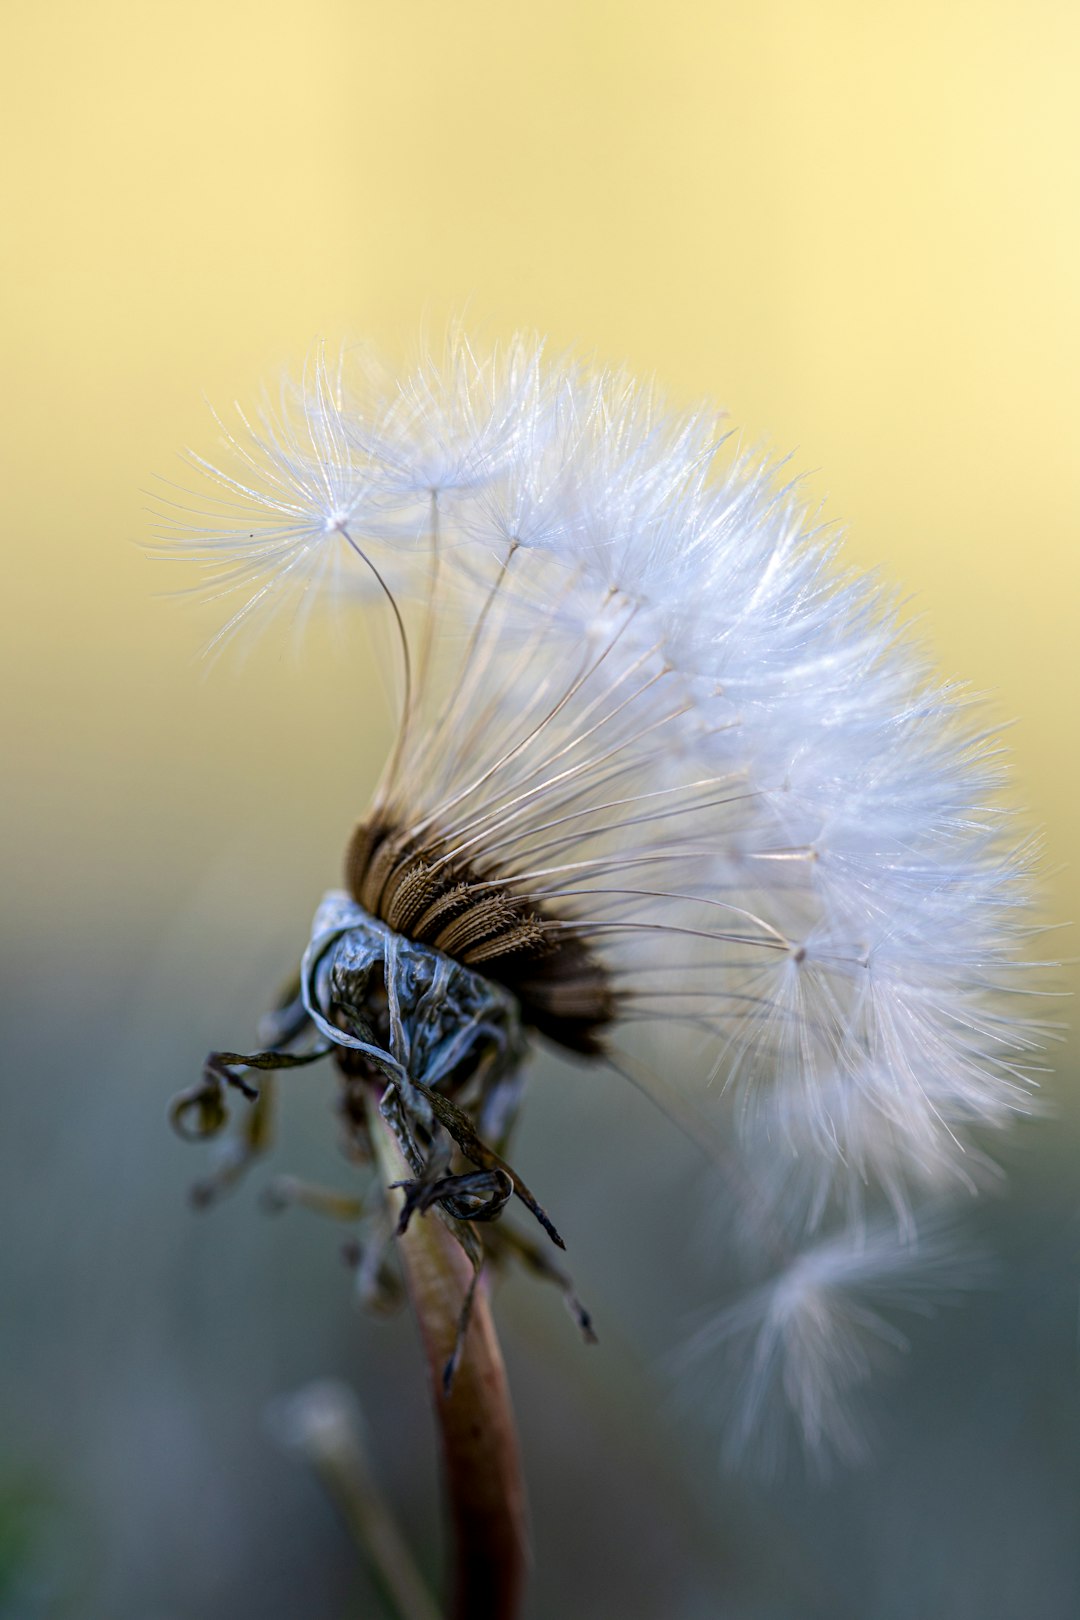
(854, 226)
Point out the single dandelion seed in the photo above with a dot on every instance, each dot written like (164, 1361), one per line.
(793, 1355)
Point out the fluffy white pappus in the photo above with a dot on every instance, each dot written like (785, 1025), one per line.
(642, 702)
(270, 524)
(786, 1366)
(451, 427)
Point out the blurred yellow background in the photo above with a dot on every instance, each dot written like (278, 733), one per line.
(854, 225)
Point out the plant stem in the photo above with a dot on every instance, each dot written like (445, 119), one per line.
(324, 1423)
(484, 1489)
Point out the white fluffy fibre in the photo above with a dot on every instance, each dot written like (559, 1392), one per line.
(792, 1357)
(641, 693)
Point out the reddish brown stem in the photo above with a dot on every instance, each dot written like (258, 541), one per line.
(485, 1492)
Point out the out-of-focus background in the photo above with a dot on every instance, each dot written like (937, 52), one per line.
(855, 225)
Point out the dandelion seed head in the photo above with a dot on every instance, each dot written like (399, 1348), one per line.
(680, 784)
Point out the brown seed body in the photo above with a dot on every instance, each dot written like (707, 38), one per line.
(474, 917)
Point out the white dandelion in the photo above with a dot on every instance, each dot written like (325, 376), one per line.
(671, 790)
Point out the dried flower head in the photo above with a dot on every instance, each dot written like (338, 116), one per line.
(670, 790)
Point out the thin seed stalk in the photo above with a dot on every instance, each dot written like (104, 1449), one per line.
(481, 1458)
